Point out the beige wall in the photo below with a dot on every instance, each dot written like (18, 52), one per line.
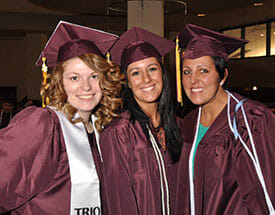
(17, 58)
(13, 64)
(34, 45)
(148, 15)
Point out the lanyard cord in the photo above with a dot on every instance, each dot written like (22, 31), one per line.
(253, 155)
(190, 163)
(162, 172)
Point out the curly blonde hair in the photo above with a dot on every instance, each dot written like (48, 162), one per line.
(111, 81)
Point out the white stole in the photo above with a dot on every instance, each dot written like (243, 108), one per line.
(85, 192)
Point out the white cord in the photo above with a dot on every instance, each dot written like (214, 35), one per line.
(163, 177)
(191, 177)
(253, 156)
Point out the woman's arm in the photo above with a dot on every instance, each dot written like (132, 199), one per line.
(117, 163)
(262, 124)
(28, 157)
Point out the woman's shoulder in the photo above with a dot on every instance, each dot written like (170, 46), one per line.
(119, 122)
(123, 128)
(33, 111)
(256, 114)
(190, 117)
(32, 129)
(34, 115)
(120, 132)
(252, 107)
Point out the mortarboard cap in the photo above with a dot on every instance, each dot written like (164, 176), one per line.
(199, 41)
(138, 44)
(71, 40)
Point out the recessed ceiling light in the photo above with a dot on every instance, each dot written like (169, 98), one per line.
(257, 4)
(262, 35)
(254, 88)
(201, 14)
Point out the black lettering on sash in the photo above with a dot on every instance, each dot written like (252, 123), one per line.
(85, 211)
(88, 211)
(96, 211)
(77, 211)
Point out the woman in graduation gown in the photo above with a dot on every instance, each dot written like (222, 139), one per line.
(227, 161)
(49, 157)
(141, 147)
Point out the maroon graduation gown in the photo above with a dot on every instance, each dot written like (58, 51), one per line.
(99, 167)
(225, 179)
(131, 172)
(34, 168)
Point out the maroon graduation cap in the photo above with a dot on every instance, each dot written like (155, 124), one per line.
(71, 40)
(138, 44)
(198, 41)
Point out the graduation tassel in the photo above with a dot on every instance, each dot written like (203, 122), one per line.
(179, 90)
(44, 74)
(108, 56)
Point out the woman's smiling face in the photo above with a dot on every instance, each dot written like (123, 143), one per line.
(145, 80)
(81, 85)
(200, 80)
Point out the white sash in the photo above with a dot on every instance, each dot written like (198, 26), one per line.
(85, 194)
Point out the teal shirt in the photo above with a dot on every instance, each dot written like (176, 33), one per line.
(201, 133)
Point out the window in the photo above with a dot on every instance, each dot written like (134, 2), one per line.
(272, 38)
(234, 33)
(257, 41)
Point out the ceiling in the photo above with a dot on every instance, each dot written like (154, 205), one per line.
(220, 14)
(20, 17)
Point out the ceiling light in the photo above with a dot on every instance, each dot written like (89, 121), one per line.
(257, 4)
(201, 14)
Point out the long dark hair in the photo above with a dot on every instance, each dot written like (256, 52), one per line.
(165, 107)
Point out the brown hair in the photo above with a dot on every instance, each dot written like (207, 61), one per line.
(110, 82)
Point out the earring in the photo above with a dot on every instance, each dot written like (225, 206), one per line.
(221, 83)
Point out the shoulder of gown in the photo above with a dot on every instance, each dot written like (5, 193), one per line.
(259, 117)
(262, 125)
(119, 122)
(29, 154)
(117, 135)
(190, 119)
(119, 132)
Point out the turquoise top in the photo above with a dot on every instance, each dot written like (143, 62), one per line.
(201, 133)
